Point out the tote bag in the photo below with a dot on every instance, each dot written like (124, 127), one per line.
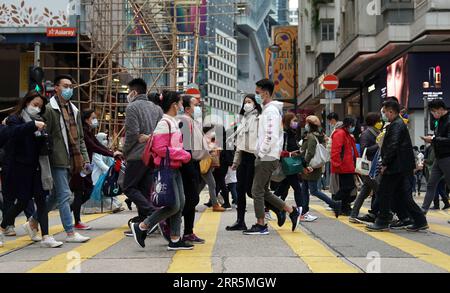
(321, 157)
(163, 194)
(363, 165)
(292, 165)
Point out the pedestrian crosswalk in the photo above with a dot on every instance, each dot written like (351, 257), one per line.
(306, 250)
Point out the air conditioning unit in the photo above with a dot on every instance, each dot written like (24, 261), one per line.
(308, 49)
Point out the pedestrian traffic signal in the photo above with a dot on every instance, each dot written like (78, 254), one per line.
(36, 76)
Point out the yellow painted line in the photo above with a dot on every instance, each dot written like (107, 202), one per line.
(416, 249)
(23, 241)
(436, 228)
(439, 214)
(314, 254)
(65, 262)
(198, 260)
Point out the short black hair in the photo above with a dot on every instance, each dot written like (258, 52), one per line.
(391, 98)
(372, 118)
(392, 105)
(267, 85)
(139, 85)
(437, 104)
(86, 114)
(333, 115)
(58, 78)
(349, 121)
(257, 106)
(169, 97)
(187, 99)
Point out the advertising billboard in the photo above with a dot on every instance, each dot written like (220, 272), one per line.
(32, 13)
(280, 65)
(417, 75)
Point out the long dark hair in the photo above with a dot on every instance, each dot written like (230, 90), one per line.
(27, 99)
(257, 106)
(168, 98)
(86, 115)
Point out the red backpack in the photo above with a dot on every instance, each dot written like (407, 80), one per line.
(147, 155)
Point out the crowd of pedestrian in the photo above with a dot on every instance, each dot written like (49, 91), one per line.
(52, 150)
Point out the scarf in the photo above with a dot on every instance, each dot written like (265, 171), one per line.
(44, 162)
(76, 159)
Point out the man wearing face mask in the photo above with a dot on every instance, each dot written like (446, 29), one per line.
(140, 121)
(440, 143)
(69, 156)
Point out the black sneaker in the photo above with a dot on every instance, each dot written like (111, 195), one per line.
(400, 225)
(281, 216)
(139, 235)
(366, 219)
(128, 233)
(416, 228)
(180, 245)
(152, 230)
(377, 227)
(257, 230)
(435, 208)
(208, 204)
(237, 227)
(337, 208)
(295, 217)
(227, 207)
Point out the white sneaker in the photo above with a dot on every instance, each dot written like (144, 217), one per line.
(33, 233)
(2, 239)
(77, 238)
(10, 231)
(268, 216)
(220, 199)
(308, 218)
(50, 242)
(329, 208)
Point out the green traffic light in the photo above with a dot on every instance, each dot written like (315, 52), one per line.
(37, 88)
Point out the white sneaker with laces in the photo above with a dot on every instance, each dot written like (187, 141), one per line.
(10, 231)
(50, 242)
(269, 217)
(308, 218)
(77, 238)
(33, 233)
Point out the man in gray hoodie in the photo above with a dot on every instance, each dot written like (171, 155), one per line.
(140, 121)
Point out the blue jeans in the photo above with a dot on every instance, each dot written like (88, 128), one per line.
(61, 196)
(312, 187)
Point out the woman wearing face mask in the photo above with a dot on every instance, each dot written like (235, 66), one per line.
(28, 173)
(290, 148)
(82, 186)
(168, 137)
(343, 160)
(369, 143)
(311, 176)
(245, 155)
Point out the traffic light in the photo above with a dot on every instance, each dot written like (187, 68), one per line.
(36, 76)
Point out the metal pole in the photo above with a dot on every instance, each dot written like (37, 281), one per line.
(37, 54)
(294, 50)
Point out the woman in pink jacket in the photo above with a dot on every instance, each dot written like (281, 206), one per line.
(167, 135)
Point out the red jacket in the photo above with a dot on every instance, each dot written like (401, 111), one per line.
(343, 152)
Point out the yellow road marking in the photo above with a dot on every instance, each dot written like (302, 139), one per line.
(23, 241)
(436, 228)
(198, 260)
(64, 262)
(314, 254)
(439, 214)
(416, 249)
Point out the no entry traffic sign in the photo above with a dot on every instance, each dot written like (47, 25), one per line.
(331, 82)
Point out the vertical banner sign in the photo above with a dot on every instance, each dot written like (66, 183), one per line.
(280, 65)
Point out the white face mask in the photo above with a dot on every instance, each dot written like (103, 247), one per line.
(131, 97)
(33, 111)
(94, 123)
(197, 112)
(248, 107)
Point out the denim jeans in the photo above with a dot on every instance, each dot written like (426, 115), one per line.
(441, 167)
(174, 212)
(313, 188)
(61, 196)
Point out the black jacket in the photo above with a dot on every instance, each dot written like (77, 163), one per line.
(290, 141)
(369, 140)
(397, 150)
(441, 141)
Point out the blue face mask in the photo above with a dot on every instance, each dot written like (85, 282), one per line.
(307, 128)
(67, 93)
(197, 112)
(259, 99)
(351, 129)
